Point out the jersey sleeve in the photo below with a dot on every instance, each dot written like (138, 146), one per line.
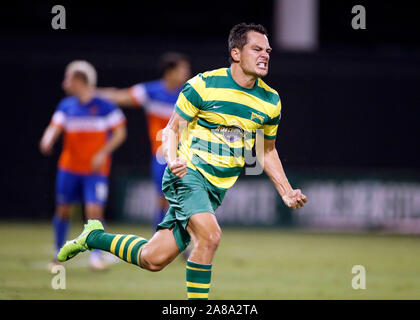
(59, 117)
(115, 117)
(270, 126)
(189, 100)
(139, 94)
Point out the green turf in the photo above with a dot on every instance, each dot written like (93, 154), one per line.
(249, 264)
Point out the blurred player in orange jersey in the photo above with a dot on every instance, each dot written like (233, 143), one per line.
(158, 98)
(93, 128)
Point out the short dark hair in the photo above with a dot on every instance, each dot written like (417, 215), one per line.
(238, 35)
(169, 61)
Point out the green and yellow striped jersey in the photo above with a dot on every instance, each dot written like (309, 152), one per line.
(223, 120)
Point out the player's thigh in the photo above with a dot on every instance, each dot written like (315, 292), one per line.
(204, 227)
(161, 248)
(95, 193)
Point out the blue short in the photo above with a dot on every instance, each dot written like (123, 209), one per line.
(76, 188)
(157, 173)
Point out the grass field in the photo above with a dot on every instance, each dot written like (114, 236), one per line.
(250, 264)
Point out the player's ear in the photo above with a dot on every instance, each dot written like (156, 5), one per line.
(235, 53)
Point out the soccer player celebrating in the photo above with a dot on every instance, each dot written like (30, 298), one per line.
(158, 98)
(93, 128)
(218, 114)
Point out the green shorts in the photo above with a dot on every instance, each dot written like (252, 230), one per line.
(186, 196)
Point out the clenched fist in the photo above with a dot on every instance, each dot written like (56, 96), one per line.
(294, 199)
(178, 167)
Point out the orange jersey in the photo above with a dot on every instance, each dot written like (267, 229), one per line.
(158, 103)
(87, 127)
(155, 127)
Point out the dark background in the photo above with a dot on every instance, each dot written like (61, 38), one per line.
(353, 103)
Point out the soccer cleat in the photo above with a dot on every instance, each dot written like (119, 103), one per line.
(73, 247)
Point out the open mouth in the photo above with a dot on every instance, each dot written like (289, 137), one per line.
(262, 65)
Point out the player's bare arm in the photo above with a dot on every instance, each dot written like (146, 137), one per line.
(273, 167)
(49, 138)
(170, 138)
(122, 97)
(119, 134)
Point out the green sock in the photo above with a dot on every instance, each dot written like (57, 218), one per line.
(198, 280)
(126, 247)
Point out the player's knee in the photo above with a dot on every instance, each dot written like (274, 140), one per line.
(63, 212)
(211, 240)
(94, 211)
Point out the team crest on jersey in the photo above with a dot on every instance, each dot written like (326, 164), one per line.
(255, 116)
(231, 133)
(94, 110)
